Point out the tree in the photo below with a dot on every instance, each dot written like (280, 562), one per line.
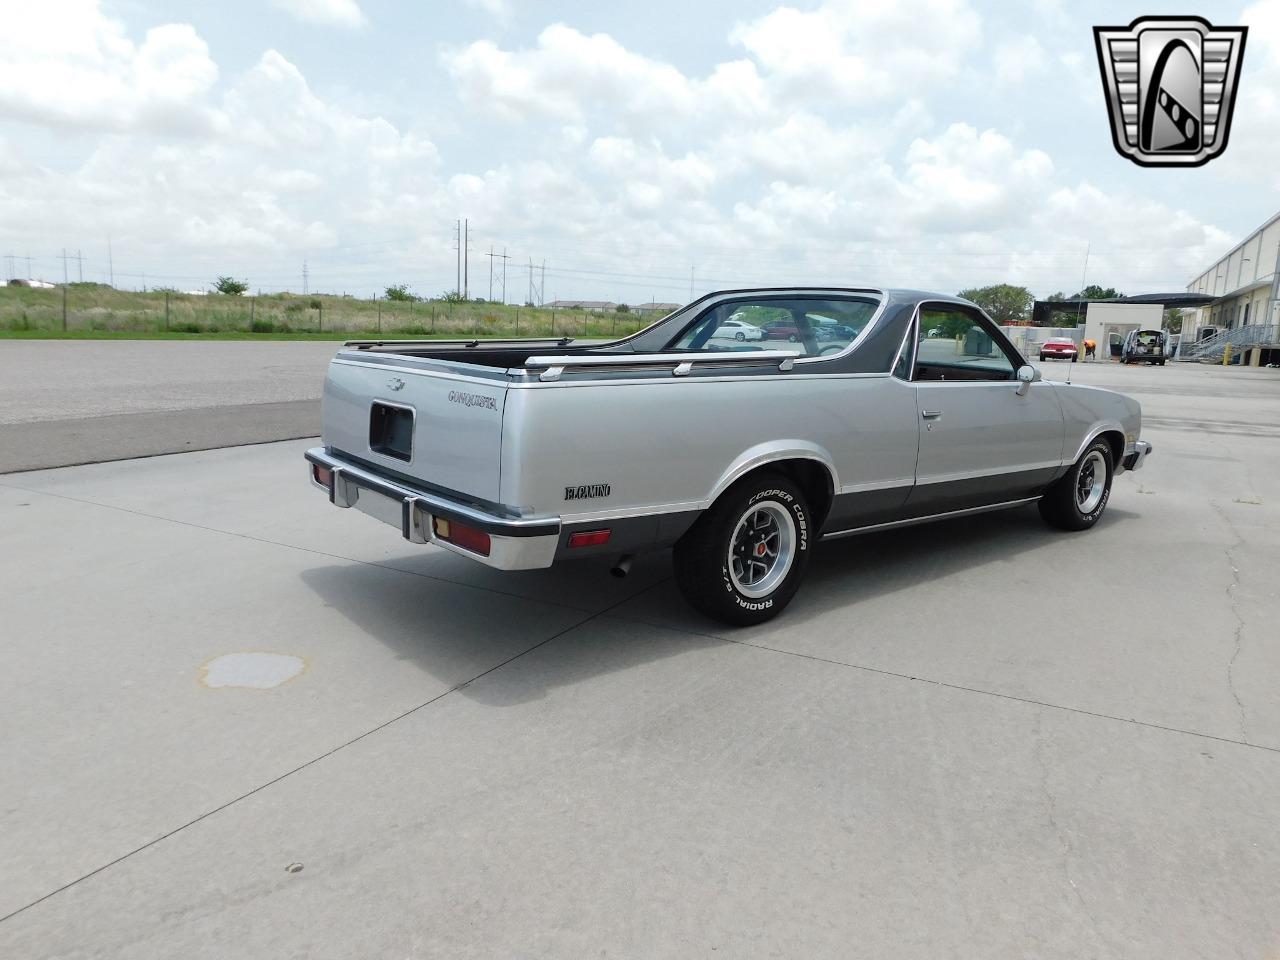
(1173, 318)
(401, 292)
(1004, 302)
(1095, 292)
(230, 286)
(452, 296)
(622, 308)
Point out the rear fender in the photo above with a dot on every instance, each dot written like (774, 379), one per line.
(775, 451)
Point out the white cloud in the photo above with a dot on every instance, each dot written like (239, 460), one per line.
(335, 13)
(860, 52)
(65, 62)
(1020, 57)
(566, 75)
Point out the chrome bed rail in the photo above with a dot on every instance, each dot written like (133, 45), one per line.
(682, 363)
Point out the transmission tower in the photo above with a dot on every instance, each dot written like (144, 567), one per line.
(504, 258)
(306, 279)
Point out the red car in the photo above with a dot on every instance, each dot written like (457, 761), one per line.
(1059, 348)
(781, 330)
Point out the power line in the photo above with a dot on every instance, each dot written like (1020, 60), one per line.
(504, 258)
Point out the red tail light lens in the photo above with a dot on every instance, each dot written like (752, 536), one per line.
(323, 475)
(589, 538)
(459, 534)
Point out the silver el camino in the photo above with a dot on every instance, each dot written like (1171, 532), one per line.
(878, 408)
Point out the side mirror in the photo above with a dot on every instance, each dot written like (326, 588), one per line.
(1027, 375)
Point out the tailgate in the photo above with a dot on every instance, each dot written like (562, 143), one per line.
(441, 428)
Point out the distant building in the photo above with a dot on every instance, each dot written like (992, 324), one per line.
(582, 305)
(1244, 282)
(655, 307)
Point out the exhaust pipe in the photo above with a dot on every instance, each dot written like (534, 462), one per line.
(622, 567)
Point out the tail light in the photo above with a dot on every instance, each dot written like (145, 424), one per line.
(589, 538)
(461, 535)
(322, 475)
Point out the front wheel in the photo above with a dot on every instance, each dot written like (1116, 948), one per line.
(1042, 358)
(743, 560)
(739, 336)
(1077, 499)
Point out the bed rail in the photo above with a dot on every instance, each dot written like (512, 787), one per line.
(553, 367)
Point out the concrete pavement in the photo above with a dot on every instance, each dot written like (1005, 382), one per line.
(981, 738)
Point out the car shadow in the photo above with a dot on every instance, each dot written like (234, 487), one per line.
(846, 571)
(457, 631)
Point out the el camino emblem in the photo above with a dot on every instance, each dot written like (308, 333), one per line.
(590, 491)
(395, 383)
(1170, 84)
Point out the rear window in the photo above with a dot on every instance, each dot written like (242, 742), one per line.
(805, 326)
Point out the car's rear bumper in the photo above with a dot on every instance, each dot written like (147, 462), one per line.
(515, 543)
(1134, 459)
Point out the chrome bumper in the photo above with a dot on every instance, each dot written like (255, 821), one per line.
(515, 543)
(1134, 459)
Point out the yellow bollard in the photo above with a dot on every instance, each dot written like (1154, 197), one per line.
(1226, 354)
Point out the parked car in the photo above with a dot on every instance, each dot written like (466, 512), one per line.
(1058, 348)
(524, 454)
(781, 330)
(1144, 346)
(738, 330)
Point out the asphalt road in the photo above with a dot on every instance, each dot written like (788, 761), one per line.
(85, 401)
(977, 739)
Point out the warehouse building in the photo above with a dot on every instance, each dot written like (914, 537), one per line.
(1245, 286)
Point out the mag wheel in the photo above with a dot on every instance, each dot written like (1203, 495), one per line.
(1076, 501)
(740, 336)
(743, 560)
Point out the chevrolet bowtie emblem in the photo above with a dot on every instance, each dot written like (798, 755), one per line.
(395, 383)
(1170, 84)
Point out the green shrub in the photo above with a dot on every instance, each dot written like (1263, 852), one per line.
(262, 326)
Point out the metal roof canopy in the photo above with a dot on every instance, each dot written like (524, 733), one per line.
(1042, 309)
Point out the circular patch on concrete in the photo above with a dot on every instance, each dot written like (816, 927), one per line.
(256, 671)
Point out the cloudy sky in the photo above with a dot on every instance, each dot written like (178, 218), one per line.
(932, 143)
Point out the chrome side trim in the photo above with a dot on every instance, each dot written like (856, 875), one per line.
(876, 485)
(913, 521)
(989, 472)
(623, 513)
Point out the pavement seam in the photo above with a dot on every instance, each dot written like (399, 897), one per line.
(329, 753)
(953, 686)
(290, 546)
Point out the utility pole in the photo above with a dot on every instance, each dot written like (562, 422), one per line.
(491, 273)
(28, 259)
(64, 266)
(530, 299)
(466, 259)
(457, 245)
(8, 266)
(111, 264)
(542, 287)
(80, 265)
(306, 279)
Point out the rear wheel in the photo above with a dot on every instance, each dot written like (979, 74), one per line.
(739, 336)
(792, 338)
(1077, 499)
(743, 561)
(1042, 358)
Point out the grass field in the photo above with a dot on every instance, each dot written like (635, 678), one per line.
(89, 310)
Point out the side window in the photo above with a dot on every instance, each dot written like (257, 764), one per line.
(956, 344)
(808, 327)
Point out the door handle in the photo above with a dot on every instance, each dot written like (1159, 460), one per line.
(931, 414)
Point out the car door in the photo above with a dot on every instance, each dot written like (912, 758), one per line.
(983, 441)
